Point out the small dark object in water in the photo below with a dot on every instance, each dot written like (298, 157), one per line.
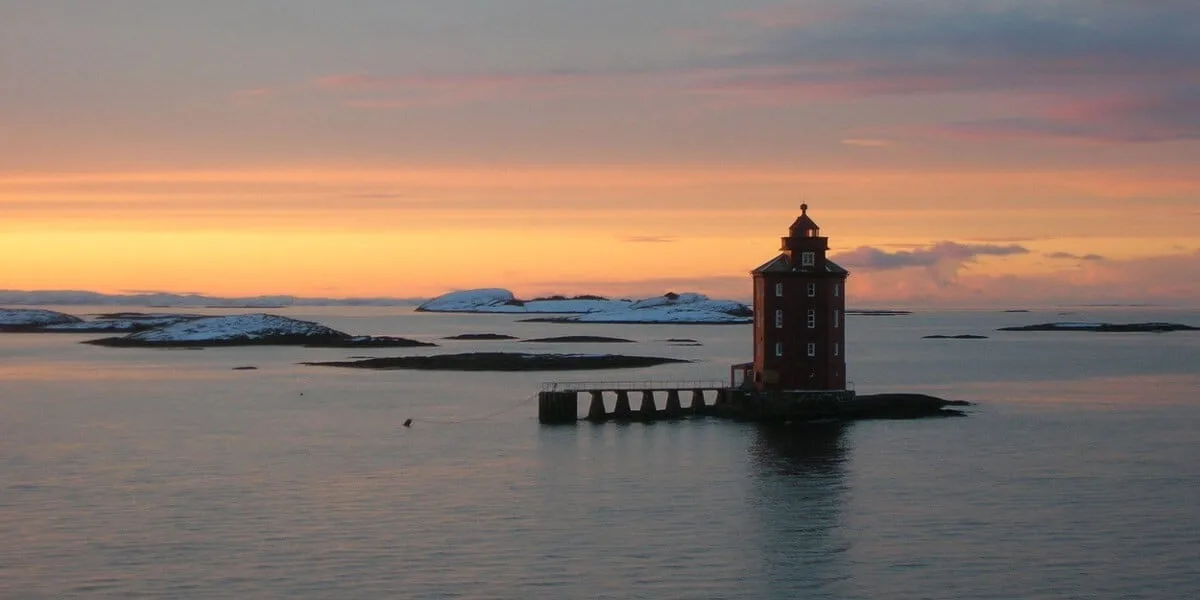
(480, 336)
(408, 422)
(246, 368)
(962, 336)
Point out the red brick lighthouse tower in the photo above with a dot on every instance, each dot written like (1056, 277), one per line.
(800, 315)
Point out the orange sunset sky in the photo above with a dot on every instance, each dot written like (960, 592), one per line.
(956, 153)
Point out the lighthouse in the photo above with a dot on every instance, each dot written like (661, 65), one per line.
(800, 315)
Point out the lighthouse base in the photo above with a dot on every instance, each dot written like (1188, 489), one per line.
(817, 405)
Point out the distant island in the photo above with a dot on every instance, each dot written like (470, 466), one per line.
(690, 308)
(1154, 327)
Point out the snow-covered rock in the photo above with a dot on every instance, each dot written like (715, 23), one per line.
(574, 305)
(668, 308)
(482, 300)
(693, 301)
(257, 328)
(22, 319)
(252, 329)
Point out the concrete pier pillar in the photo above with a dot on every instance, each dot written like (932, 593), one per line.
(647, 410)
(674, 409)
(596, 410)
(722, 397)
(623, 410)
(698, 405)
(557, 407)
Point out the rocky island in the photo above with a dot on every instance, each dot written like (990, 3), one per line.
(31, 320)
(1154, 327)
(503, 361)
(581, 339)
(257, 329)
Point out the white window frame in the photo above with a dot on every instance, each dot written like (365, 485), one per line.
(837, 314)
(836, 348)
(837, 289)
(779, 318)
(778, 290)
(812, 318)
(812, 290)
(778, 348)
(812, 349)
(808, 259)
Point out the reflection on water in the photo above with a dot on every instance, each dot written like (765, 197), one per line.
(145, 473)
(799, 474)
(801, 450)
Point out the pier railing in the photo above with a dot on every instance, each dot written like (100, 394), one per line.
(585, 386)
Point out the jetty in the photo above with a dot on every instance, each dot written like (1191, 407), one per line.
(558, 401)
(609, 401)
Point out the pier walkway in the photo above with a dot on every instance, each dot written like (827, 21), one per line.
(558, 401)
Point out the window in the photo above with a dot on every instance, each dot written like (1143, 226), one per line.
(778, 348)
(808, 259)
(779, 290)
(812, 319)
(837, 289)
(812, 349)
(835, 349)
(836, 317)
(778, 319)
(812, 290)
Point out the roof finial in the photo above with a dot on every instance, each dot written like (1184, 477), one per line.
(804, 209)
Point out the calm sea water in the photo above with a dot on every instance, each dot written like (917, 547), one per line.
(166, 474)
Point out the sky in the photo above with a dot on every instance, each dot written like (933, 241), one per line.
(956, 153)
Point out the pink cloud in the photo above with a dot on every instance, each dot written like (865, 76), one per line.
(941, 261)
(1168, 279)
(1145, 116)
(1078, 59)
